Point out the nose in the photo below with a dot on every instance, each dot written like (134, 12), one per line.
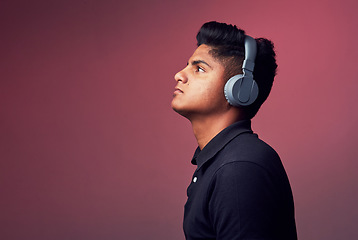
(181, 76)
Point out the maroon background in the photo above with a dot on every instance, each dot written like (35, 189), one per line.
(90, 148)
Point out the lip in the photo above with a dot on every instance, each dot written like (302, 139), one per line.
(178, 90)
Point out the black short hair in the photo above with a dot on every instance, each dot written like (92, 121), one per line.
(227, 45)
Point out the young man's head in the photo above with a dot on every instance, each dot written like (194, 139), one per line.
(219, 56)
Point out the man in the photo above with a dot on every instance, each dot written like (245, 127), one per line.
(240, 189)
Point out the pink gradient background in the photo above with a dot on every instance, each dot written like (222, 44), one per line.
(90, 148)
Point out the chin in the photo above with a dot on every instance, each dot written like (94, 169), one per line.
(177, 109)
(181, 111)
(176, 106)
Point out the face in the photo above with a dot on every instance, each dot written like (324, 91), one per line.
(200, 86)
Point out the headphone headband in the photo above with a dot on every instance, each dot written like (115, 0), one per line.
(250, 54)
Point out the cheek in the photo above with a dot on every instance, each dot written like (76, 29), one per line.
(216, 90)
(213, 94)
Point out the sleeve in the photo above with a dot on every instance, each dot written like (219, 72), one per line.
(242, 202)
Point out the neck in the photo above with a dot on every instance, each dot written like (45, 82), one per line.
(206, 128)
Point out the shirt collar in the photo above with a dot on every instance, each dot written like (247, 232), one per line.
(219, 141)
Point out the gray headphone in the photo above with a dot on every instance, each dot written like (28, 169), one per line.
(242, 89)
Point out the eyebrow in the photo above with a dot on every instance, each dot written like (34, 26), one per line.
(196, 62)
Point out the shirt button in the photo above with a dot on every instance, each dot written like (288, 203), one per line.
(195, 179)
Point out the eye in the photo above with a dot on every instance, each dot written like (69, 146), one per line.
(199, 69)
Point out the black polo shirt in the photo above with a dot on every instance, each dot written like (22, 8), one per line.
(239, 190)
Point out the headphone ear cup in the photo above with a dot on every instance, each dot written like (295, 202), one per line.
(228, 90)
(241, 90)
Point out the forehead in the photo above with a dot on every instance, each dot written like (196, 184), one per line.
(202, 49)
(202, 53)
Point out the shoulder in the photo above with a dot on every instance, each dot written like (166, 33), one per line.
(249, 148)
